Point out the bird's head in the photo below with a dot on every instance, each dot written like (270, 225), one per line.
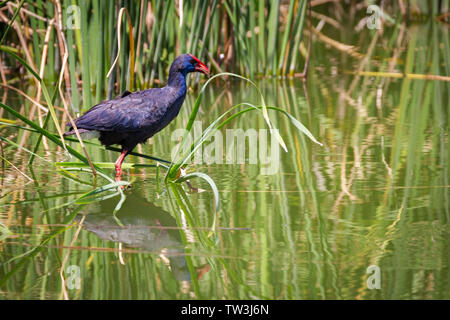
(188, 63)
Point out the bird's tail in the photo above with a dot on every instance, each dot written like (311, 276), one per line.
(84, 133)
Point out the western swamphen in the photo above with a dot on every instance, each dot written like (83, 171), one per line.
(136, 116)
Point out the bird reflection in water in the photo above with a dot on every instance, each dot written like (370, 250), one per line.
(145, 226)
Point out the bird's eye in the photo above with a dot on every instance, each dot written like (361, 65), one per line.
(192, 61)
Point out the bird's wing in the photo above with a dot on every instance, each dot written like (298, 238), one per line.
(127, 114)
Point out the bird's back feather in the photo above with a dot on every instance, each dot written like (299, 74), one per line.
(136, 111)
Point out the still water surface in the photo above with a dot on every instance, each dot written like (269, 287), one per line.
(372, 201)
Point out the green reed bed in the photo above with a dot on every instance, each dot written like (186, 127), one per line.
(321, 224)
(82, 59)
(88, 58)
(239, 36)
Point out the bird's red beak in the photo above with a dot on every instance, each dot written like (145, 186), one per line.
(200, 67)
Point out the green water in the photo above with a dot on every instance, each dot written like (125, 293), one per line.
(373, 200)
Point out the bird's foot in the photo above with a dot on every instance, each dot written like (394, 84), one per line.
(191, 187)
(194, 189)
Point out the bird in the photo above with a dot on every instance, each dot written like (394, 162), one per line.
(134, 117)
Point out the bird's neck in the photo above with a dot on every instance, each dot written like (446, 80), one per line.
(177, 80)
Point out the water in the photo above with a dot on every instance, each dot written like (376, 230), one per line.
(365, 216)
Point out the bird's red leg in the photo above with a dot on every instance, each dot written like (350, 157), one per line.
(118, 164)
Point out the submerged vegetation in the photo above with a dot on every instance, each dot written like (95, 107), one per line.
(374, 193)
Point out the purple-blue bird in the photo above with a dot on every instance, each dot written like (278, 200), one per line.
(136, 116)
